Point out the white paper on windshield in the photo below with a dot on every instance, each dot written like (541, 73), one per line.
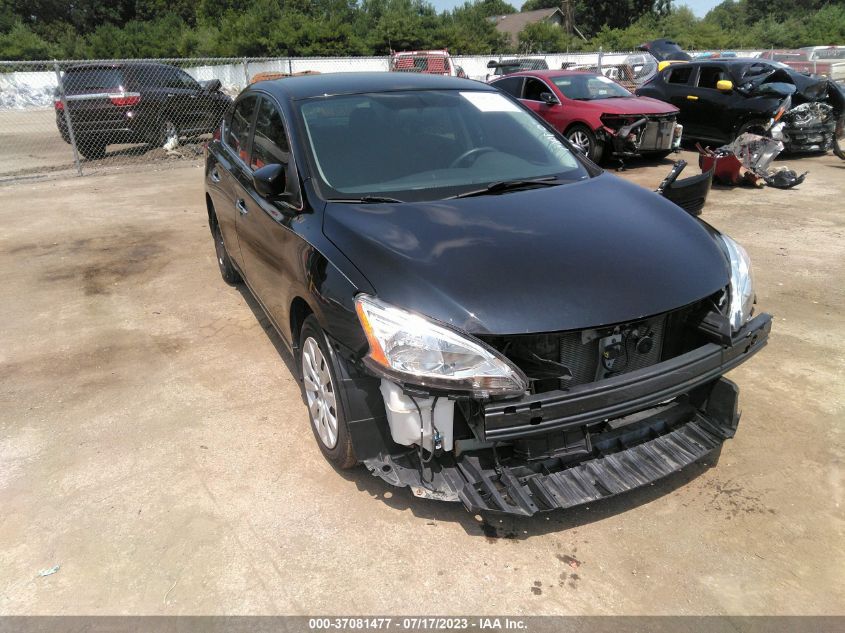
(489, 102)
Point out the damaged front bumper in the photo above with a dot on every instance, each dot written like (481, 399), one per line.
(590, 442)
(641, 135)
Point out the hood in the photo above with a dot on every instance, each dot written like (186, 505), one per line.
(632, 105)
(588, 254)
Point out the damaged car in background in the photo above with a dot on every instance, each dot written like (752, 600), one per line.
(722, 99)
(476, 311)
(596, 114)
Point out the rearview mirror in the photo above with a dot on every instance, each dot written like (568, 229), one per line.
(725, 85)
(269, 181)
(548, 98)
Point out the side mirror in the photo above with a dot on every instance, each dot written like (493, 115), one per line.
(492, 63)
(724, 85)
(269, 181)
(212, 85)
(548, 98)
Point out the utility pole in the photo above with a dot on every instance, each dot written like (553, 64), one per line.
(566, 9)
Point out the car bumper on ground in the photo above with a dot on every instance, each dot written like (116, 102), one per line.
(611, 436)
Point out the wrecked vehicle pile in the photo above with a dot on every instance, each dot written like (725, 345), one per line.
(478, 317)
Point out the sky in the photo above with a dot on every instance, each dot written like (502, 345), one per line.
(699, 7)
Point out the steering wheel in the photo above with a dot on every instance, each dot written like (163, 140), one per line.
(475, 151)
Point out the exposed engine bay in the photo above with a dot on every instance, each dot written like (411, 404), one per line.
(806, 118)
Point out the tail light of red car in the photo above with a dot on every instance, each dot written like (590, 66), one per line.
(59, 105)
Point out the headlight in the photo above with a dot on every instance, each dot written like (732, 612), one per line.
(411, 348)
(742, 284)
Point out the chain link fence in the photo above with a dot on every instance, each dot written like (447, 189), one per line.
(78, 117)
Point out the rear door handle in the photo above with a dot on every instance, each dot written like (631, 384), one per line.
(214, 175)
(241, 206)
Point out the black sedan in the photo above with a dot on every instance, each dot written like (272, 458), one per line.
(719, 99)
(477, 312)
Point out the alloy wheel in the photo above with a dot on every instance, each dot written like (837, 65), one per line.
(319, 392)
(580, 140)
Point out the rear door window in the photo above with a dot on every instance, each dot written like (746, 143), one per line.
(511, 85)
(269, 143)
(93, 80)
(678, 75)
(238, 130)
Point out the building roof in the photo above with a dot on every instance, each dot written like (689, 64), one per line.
(513, 23)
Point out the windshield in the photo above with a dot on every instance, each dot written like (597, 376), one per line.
(588, 87)
(429, 145)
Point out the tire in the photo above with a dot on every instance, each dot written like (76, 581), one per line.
(91, 149)
(228, 271)
(839, 138)
(325, 407)
(753, 126)
(583, 138)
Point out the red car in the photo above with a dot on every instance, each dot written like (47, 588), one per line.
(596, 114)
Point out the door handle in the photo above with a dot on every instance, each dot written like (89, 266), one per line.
(692, 97)
(241, 206)
(214, 175)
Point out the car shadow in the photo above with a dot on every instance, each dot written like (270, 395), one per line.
(488, 525)
(269, 329)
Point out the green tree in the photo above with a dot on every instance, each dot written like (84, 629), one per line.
(20, 42)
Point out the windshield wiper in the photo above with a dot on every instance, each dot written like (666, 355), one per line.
(364, 200)
(502, 186)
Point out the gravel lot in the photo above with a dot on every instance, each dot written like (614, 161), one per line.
(153, 443)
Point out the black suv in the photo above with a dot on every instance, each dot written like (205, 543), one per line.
(133, 102)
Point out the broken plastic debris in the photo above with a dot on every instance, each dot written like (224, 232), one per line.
(49, 572)
(784, 178)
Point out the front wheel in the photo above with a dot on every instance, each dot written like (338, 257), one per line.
(754, 126)
(320, 387)
(839, 138)
(228, 271)
(583, 138)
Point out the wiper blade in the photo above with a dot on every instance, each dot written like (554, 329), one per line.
(502, 186)
(364, 200)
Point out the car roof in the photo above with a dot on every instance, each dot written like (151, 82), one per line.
(550, 74)
(95, 65)
(728, 61)
(307, 86)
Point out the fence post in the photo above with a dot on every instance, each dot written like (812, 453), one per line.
(246, 73)
(67, 117)
(598, 65)
(290, 66)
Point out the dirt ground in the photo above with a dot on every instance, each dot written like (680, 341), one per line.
(154, 447)
(30, 145)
